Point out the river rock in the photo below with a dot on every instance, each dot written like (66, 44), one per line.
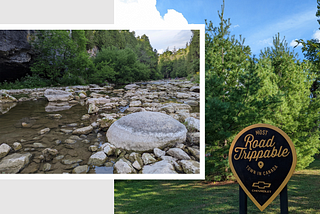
(46, 167)
(182, 95)
(144, 131)
(161, 167)
(178, 153)
(173, 161)
(85, 117)
(69, 141)
(49, 153)
(81, 169)
(147, 158)
(57, 95)
(193, 123)
(137, 165)
(14, 163)
(158, 152)
(107, 121)
(38, 145)
(44, 131)
(5, 107)
(108, 149)
(131, 86)
(97, 159)
(98, 101)
(192, 102)
(6, 98)
(93, 148)
(193, 138)
(92, 108)
(190, 166)
(17, 146)
(84, 130)
(136, 103)
(55, 116)
(4, 150)
(133, 157)
(71, 161)
(123, 167)
(194, 152)
(195, 89)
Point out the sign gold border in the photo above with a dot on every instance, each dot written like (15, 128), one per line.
(284, 183)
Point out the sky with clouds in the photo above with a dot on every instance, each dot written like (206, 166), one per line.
(143, 17)
(257, 21)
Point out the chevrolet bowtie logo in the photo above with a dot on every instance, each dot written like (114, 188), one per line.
(261, 185)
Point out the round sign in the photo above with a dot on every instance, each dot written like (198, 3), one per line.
(262, 158)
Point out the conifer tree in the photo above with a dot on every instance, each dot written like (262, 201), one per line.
(231, 102)
(299, 113)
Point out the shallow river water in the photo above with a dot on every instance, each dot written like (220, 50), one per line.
(21, 122)
(34, 114)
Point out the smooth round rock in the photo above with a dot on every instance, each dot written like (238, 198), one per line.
(144, 131)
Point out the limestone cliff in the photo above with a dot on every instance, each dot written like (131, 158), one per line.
(15, 54)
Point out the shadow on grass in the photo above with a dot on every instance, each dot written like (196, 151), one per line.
(176, 196)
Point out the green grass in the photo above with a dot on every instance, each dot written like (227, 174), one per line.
(176, 196)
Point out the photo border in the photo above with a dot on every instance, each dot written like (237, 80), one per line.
(200, 176)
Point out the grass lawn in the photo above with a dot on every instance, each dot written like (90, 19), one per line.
(176, 196)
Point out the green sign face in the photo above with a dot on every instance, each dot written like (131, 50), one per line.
(262, 158)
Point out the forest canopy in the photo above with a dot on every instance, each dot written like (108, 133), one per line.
(70, 57)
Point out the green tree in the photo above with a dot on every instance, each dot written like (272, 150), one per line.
(311, 51)
(231, 84)
(194, 53)
(298, 114)
(59, 54)
(118, 66)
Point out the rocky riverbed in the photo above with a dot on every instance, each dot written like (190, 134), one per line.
(148, 128)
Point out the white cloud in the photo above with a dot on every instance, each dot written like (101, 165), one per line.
(162, 39)
(316, 35)
(139, 15)
(160, 51)
(142, 13)
(293, 43)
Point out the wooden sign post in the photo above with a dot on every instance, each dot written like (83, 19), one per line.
(262, 158)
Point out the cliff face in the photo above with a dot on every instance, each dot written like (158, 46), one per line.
(15, 54)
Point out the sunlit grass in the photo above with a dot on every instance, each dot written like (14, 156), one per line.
(176, 196)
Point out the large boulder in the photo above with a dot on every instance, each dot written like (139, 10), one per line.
(57, 95)
(144, 131)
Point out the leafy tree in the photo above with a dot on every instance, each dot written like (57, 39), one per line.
(59, 54)
(298, 114)
(231, 84)
(119, 66)
(311, 51)
(148, 56)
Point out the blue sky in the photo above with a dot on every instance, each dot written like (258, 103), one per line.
(257, 21)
